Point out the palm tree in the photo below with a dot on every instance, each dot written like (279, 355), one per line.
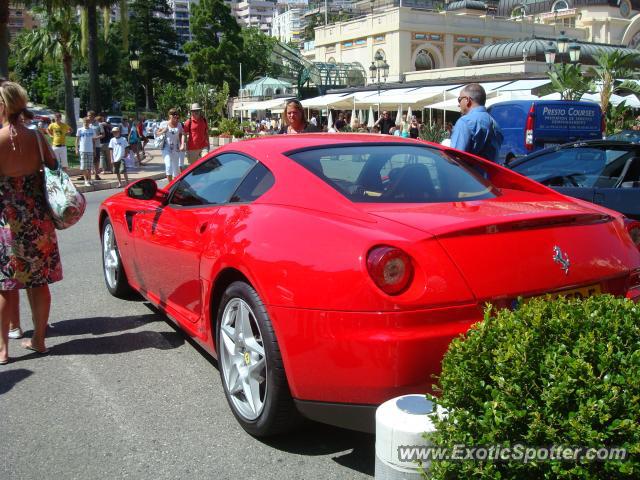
(568, 80)
(57, 38)
(611, 66)
(90, 31)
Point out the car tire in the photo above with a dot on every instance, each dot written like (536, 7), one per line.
(114, 275)
(251, 369)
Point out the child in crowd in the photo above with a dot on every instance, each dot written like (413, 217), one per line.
(118, 148)
(85, 149)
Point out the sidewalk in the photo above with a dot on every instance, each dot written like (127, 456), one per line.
(152, 167)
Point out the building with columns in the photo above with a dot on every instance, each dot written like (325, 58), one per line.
(424, 44)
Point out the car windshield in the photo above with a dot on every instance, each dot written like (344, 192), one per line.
(626, 136)
(395, 174)
(585, 167)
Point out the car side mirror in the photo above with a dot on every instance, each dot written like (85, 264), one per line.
(144, 189)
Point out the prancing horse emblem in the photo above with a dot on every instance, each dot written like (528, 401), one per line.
(562, 259)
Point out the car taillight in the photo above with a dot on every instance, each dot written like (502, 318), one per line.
(390, 268)
(633, 228)
(528, 130)
(633, 292)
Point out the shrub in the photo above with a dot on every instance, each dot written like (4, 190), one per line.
(432, 132)
(551, 373)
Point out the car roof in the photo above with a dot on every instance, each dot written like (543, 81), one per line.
(282, 144)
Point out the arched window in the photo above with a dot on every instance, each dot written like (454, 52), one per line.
(560, 5)
(464, 59)
(278, 91)
(381, 52)
(331, 60)
(424, 61)
(268, 92)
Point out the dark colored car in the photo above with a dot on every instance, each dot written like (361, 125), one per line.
(605, 172)
(632, 136)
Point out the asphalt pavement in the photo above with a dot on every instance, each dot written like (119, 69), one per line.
(152, 166)
(123, 394)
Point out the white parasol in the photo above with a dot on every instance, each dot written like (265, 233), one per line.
(371, 122)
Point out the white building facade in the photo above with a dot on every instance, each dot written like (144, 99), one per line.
(288, 26)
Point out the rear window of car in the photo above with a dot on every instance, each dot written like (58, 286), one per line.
(395, 174)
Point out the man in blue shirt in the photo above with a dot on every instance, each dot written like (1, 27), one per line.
(476, 131)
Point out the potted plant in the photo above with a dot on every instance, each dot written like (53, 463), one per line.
(227, 128)
(213, 137)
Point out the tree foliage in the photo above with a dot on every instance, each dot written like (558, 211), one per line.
(256, 56)
(568, 80)
(153, 38)
(216, 46)
(612, 66)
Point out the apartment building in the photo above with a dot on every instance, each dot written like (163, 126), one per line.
(287, 26)
(20, 19)
(254, 13)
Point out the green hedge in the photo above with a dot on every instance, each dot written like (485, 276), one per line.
(551, 373)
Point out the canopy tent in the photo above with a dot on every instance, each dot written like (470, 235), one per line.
(414, 97)
(331, 100)
(523, 85)
(276, 103)
(451, 105)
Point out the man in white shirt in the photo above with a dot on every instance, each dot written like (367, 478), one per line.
(85, 148)
(118, 147)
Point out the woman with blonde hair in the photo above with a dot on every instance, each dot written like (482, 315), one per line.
(295, 120)
(29, 257)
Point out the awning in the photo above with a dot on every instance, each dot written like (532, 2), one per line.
(413, 97)
(337, 100)
(491, 88)
(264, 105)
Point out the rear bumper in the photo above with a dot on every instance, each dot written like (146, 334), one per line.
(352, 417)
(365, 358)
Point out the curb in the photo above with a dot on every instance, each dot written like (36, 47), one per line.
(114, 184)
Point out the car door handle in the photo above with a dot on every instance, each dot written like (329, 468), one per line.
(202, 227)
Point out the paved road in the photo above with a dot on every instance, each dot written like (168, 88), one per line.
(125, 395)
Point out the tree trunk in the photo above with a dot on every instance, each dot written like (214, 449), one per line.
(94, 86)
(70, 112)
(148, 92)
(4, 38)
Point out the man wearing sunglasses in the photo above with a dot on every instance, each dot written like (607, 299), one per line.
(476, 131)
(385, 123)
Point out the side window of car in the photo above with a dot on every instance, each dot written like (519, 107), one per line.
(255, 183)
(212, 182)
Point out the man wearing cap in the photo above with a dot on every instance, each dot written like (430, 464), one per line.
(196, 133)
(118, 147)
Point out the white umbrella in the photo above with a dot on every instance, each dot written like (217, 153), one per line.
(361, 117)
(409, 114)
(399, 115)
(371, 122)
(330, 120)
(354, 118)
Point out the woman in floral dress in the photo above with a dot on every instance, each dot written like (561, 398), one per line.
(29, 257)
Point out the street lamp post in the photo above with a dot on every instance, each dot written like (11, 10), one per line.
(76, 100)
(379, 68)
(134, 62)
(564, 51)
(550, 53)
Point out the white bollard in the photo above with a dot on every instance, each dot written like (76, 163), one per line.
(400, 422)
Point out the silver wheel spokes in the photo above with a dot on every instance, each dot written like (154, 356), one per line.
(242, 359)
(110, 256)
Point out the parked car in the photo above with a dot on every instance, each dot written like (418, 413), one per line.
(150, 127)
(529, 126)
(605, 172)
(114, 120)
(328, 273)
(632, 136)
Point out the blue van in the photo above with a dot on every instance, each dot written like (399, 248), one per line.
(530, 125)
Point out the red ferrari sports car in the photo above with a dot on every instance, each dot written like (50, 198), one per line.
(328, 273)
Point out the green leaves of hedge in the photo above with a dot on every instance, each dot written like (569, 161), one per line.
(553, 372)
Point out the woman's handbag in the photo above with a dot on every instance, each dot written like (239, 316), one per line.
(66, 203)
(158, 142)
